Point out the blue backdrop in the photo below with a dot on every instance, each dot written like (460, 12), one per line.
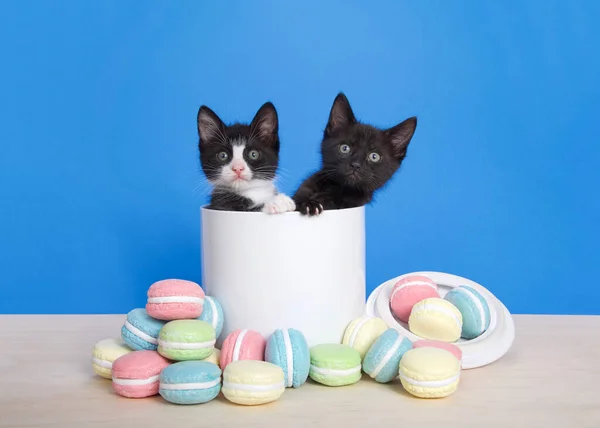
(100, 184)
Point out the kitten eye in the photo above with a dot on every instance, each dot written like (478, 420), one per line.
(344, 149)
(222, 156)
(374, 157)
(253, 154)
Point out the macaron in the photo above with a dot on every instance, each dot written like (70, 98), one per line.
(175, 299)
(288, 349)
(252, 382)
(453, 349)
(429, 372)
(105, 352)
(190, 382)
(242, 344)
(136, 375)
(408, 291)
(335, 364)
(140, 331)
(383, 358)
(183, 340)
(474, 309)
(214, 358)
(362, 332)
(436, 319)
(212, 313)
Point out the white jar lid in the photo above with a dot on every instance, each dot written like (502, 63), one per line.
(483, 350)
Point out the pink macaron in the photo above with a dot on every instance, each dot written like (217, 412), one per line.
(175, 299)
(455, 350)
(136, 375)
(409, 291)
(242, 345)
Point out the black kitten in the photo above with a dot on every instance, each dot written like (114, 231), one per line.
(356, 161)
(241, 161)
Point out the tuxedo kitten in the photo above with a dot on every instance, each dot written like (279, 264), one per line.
(356, 161)
(241, 161)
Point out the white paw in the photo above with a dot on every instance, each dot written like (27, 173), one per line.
(281, 203)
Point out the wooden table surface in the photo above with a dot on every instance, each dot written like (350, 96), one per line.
(550, 378)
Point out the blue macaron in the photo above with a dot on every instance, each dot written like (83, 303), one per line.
(382, 360)
(190, 382)
(140, 331)
(288, 349)
(212, 313)
(474, 309)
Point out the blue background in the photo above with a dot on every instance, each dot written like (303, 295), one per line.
(100, 183)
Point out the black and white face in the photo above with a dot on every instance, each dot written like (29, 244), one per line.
(239, 155)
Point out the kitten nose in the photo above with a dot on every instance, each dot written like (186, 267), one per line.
(238, 169)
(355, 165)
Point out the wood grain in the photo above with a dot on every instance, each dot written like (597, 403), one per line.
(550, 378)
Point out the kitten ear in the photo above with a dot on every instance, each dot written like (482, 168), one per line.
(265, 123)
(209, 124)
(400, 135)
(341, 114)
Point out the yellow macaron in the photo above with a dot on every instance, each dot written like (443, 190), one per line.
(252, 382)
(362, 332)
(429, 372)
(105, 352)
(214, 358)
(436, 319)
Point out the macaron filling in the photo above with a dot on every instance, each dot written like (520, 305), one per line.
(335, 372)
(176, 299)
(425, 307)
(478, 305)
(238, 345)
(190, 385)
(289, 357)
(139, 333)
(214, 312)
(387, 357)
(430, 383)
(254, 388)
(165, 344)
(135, 382)
(356, 329)
(102, 363)
(414, 283)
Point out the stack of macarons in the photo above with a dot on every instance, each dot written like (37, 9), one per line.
(462, 313)
(166, 348)
(426, 368)
(258, 370)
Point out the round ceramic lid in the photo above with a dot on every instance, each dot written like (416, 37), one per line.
(483, 350)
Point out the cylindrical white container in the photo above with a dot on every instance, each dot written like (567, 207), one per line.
(286, 270)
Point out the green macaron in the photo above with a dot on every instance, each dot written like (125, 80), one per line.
(183, 340)
(334, 364)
